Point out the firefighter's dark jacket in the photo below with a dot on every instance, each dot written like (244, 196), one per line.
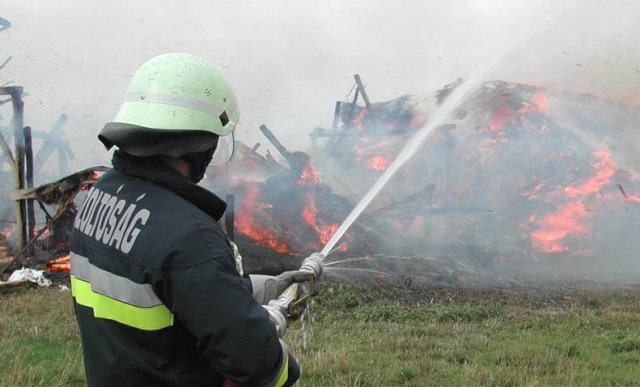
(157, 296)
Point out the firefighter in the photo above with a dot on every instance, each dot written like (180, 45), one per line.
(158, 291)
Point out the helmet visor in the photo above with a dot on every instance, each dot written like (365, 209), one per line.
(225, 150)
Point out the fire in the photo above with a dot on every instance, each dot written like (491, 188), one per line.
(417, 121)
(571, 218)
(375, 154)
(541, 101)
(500, 117)
(262, 236)
(310, 216)
(309, 176)
(46, 231)
(93, 178)
(358, 120)
(256, 205)
(554, 228)
(605, 171)
(246, 224)
(379, 163)
(506, 113)
(59, 264)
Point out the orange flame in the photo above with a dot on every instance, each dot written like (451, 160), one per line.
(557, 226)
(417, 121)
(541, 101)
(505, 113)
(309, 176)
(501, 116)
(569, 217)
(605, 171)
(379, 163)
(357, 122)
(310, 216)
(59, 264)
(246, 224)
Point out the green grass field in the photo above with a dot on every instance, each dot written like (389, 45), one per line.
(364, 338)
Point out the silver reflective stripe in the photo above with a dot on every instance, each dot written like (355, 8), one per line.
(113, 286)
(177, 100)
(232, 107)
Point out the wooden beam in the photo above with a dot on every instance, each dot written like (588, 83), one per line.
(28, 153)
(18, 130)
(10, 90)
(332, 144)
(277, 144)
(20, 253)
(5, 62)
(365, 97)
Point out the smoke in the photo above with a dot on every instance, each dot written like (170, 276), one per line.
(289, 61)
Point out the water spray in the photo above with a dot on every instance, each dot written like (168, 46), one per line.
(410, 149)
(290, 300)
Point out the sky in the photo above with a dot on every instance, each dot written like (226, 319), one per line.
(290, 60)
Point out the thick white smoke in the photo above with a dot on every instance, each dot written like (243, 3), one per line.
(289, 61)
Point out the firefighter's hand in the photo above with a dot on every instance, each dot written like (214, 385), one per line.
(267, 288)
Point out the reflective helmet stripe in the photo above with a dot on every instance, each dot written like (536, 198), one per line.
(173, 92)
(117, 298)
(176, 100)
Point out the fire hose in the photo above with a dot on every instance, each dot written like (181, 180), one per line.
(290, 300)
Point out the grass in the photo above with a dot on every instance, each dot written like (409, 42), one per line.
(39, 341)
(356, 338)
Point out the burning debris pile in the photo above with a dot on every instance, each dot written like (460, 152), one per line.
(48, 248)
(35, 245)
(524, 183)
(282, 213)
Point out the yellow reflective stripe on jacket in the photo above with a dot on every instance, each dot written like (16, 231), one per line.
(112, 285)
(116, 297)
(145, 318)
(285, 373)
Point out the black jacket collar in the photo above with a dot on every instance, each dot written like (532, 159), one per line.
(154, 170)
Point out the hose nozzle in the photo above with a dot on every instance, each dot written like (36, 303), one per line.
(313, 264)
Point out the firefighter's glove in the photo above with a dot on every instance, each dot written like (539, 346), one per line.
(277, 317)
(267, 288)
